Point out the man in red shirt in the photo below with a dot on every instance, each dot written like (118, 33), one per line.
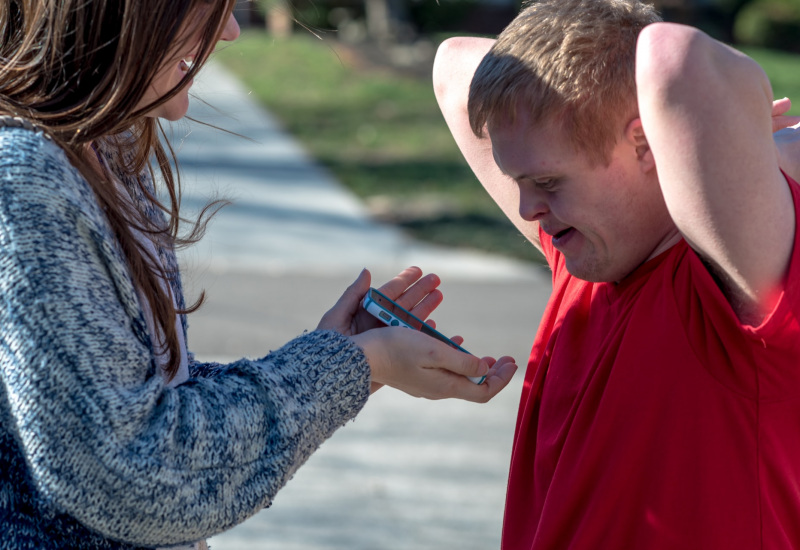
(661, 406)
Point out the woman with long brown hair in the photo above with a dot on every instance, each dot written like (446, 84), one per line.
(112, 435)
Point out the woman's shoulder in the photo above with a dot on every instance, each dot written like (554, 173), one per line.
(33, 168)
(20, 145)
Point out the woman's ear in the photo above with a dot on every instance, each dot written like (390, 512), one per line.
(634, 135)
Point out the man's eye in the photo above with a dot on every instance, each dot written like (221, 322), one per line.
(546, 185)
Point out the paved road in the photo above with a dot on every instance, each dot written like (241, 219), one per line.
(406, 473)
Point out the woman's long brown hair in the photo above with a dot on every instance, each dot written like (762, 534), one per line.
(79, 70)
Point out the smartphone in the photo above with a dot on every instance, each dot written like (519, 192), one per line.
(393, 314)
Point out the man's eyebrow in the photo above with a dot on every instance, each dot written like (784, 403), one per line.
(533, 176)
(499, 167)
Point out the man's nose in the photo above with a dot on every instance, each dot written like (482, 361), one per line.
(532, 204)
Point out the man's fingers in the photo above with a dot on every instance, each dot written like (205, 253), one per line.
(781, 106)
(780, 119)
(781, 122)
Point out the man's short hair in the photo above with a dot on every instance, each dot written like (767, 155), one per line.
(568, 61)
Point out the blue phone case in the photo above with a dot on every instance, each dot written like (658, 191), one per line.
(393, 314)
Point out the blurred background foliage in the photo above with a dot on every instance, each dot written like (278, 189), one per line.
(358, 95)
(768, 23)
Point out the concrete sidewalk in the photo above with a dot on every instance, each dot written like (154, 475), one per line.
(406, 473)
(289, 214)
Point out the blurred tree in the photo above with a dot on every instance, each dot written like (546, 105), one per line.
(769, 24)
(716, 17)
(279, 18)
(730, 11)
(388, 20)
(732, 6)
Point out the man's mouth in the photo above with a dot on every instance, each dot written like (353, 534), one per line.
(561, 235)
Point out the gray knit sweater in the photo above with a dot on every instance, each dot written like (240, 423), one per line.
(96, 451)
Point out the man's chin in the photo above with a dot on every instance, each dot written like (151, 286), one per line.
(592, 272)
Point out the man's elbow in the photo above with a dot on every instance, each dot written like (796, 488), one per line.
(447, 56)
(675, 61)
(455, 63)
(669, 57)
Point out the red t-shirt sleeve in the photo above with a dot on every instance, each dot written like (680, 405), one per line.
(757, 364)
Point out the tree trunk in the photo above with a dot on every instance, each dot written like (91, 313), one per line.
(279, 18)
(385, 18)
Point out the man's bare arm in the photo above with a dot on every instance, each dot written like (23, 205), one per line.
(706, 111)
(455, 64)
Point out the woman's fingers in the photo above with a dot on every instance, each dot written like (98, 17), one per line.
(424, 367)
(340, 316)
(413, 292)
(409, 287)
(398, 284)
(499, 376)
(424, 307)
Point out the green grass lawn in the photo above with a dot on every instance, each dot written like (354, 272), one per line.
(784, 73)
(381, 134)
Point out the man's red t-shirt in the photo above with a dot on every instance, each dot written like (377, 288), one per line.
(651, 418)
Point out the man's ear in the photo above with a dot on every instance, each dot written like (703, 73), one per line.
(634, 134)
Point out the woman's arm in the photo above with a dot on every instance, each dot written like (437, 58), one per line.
(104, 438)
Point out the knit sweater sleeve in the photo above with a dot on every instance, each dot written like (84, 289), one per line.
(104, 439)
(200, 369)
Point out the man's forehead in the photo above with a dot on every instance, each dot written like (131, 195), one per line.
(520, 121)
(546, 137)
(525, 159)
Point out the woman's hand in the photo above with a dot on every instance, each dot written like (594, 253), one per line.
(409, 360)
(425, 367)
(410, 289)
